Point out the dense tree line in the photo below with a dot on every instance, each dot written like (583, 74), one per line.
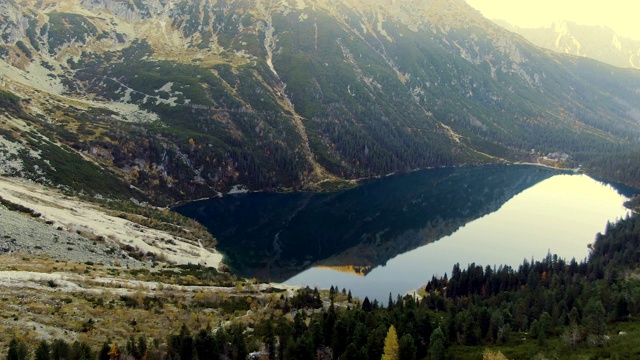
(576, 302)
(620, 166)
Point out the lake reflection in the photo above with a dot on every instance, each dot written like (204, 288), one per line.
(401, 230)
(560, 215)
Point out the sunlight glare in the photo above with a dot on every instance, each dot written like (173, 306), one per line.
(620, 15)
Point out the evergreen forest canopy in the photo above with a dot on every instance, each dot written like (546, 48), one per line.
(548, 308)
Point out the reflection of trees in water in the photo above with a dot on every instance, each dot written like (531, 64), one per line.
(274, 236)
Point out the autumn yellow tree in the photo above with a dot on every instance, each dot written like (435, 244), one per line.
(391, 347)
(114, 354)
(490, 355)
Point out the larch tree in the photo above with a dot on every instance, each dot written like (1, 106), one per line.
(391, 347)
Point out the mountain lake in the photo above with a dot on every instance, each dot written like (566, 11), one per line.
(391, 235)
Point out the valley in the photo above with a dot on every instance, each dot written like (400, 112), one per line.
(118, 116)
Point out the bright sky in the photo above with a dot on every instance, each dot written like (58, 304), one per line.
(621, 15)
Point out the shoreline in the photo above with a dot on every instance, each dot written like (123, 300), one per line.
(355, 182)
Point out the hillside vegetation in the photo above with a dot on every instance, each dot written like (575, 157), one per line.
(551, 308)
(178, 100)
(111, 110)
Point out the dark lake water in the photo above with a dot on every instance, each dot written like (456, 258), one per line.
(393, 234)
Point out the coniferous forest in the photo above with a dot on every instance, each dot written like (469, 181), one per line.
(549, 308)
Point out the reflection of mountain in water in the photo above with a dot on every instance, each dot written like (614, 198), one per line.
(274, 236)
(622, 189)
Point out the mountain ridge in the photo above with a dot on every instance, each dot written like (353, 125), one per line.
(597, 42)
(183, 100)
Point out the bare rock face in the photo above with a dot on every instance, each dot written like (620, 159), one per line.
(13, 22)
(131, 11)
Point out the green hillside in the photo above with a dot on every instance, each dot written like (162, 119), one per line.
(284, 96)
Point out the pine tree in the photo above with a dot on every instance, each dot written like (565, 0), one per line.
(407, 348)
(391, 347)
(269, 339)
(205, 345)
(103, 354)
(366, 304)
(238, 346)
(17, 350)
(142, 346)
(185, 344)
(43, 351)
(80, 350)
(60, 350)
(132, 348)
(437, 345)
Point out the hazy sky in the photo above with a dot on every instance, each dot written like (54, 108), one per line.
(621, 15)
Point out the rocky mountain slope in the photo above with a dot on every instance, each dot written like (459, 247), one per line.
(174, 100)
(40, 221)
(596, 42)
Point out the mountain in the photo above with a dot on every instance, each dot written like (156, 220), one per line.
(596, 42)
(166, 100)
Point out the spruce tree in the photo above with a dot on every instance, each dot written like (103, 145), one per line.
(437, 345)
(13, 350)
(407, 348)
(43, 352)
